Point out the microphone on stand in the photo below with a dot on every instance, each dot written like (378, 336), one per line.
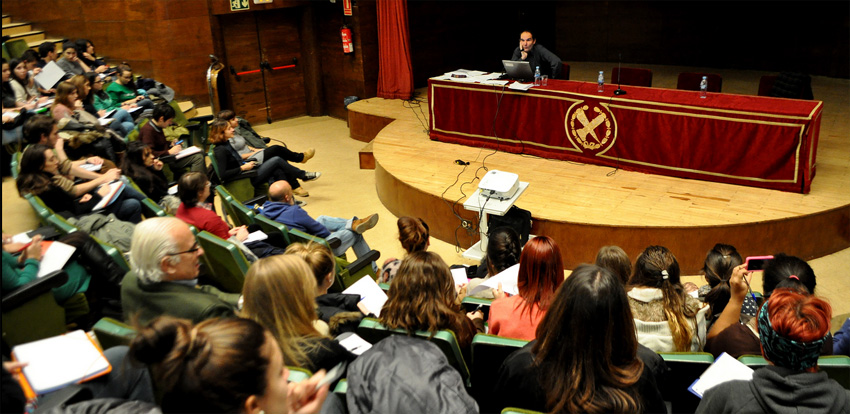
(619, 90)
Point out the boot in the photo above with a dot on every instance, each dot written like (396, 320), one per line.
(105, 272)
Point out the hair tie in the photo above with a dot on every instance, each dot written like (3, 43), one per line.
(794, 277)
(665, 275)
(725, 256)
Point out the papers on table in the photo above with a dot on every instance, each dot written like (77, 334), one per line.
(354, 344)
(459, 275)
(520, 86)
(256, 236)
(725, 368)
(55, 257)
(187, 152)
(472, 76)
(508, 279)
(50, 75)
(372, 296)
(60, 361)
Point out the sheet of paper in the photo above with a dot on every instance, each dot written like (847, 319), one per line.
(187, 152)
(131, 110)
(91, 167)
(46, 103)
(50, 75)
(372, 296)
(355, 344)
(725, 368)
(172, 190)
(61, 360)
(115, 188)
(21, 238)
(11, 114)
(55, 257)
(508, 279)
(105, 121)
(520, 86)
(256, 236)
(459, 275)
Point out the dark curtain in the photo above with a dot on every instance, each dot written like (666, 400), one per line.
(395, 73)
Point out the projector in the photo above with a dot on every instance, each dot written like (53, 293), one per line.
(499, 185)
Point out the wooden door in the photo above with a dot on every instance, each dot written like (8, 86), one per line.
(262, 54)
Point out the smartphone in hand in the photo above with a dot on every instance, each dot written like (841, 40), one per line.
(757, 263)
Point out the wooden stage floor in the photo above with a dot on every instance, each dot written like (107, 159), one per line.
(584, 207)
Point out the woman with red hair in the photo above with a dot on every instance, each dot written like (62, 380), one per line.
(793, 327)
(541, 271)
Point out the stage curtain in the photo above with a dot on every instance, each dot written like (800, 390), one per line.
(395, 73)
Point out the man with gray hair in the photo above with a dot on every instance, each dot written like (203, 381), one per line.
(163, 279)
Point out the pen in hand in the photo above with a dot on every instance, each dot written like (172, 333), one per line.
(749, 289)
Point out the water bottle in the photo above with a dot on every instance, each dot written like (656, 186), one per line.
(600, 81)
(703, 87)
(537, 76)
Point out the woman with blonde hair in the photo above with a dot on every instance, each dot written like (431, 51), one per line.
(414, 235)
(666, 317)
(279, 294)
(423, 298)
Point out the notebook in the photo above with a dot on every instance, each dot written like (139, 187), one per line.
(59, 361)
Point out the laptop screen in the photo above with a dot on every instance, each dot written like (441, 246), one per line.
(518, 69)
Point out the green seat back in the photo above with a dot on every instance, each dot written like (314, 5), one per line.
(270, 226)
(836, 367)
(15, 165)
(39, 318)
(150, 208)
(239, 214)
(114, 253)
(61, 225)
(111, 332)
(514, 410)
(226, 263)
(685, 368)
(240, 189)
(488, 353)
(134, 134)
(16, 48)
(373, 331)
(341, 386)
(297, 374)
(41, 210)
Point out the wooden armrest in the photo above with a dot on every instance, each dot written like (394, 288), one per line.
(29, 291)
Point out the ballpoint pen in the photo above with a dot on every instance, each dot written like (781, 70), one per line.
(749, 289)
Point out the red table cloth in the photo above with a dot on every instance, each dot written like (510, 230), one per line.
(739, 139)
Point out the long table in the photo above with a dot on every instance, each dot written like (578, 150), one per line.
(739, 139)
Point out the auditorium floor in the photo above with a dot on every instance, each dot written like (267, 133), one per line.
(345, 190)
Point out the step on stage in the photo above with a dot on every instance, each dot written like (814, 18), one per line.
(584, 207)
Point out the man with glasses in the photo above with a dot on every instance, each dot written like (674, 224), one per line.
(163, 279)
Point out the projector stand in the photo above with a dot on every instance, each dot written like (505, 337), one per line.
(492, 206)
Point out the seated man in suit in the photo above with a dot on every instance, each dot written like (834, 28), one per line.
(281, 207)
(164, 275)
(537, 55)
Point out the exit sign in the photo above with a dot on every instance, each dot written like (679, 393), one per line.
(236, 5)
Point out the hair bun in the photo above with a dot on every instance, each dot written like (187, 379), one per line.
(158, 339)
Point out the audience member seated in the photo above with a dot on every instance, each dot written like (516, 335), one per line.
(70, 62)
(615, 260)
(666, 318)
(603, 369)
(85, 52)
(228, 365)
(153, 136)
(541, 271)
(43, 175)
(719, 264)
(841, 340)
(737, 333)
(503, 250)
(146, 171)
(401, 374)
(413, 233)
(42, 129)
(65, 101)
(270, 167)
(9, 101)
(193, 188)
(104, 102)
(90, 269)
(122, 122)
(281, 207)
(342, 312)
(793, 327)
(163, 276)
(31, 61)
(87, 135)
(23, 84)
(423, 297)
(123, 91)
(279, 294)
(47, 52)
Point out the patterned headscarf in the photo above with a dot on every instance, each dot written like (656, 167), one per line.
(784, 352)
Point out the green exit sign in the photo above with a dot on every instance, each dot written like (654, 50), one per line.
(236, 5)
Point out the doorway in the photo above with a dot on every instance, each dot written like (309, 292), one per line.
(263, 64)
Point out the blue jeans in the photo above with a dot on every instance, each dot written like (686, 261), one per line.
(122, 122)
(128, 206)
(341, 229)
(276, 169)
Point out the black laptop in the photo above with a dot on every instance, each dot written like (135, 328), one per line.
(518, 70)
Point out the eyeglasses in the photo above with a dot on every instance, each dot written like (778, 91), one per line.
(194, 249)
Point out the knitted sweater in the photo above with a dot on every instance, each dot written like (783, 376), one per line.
(653, 330)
